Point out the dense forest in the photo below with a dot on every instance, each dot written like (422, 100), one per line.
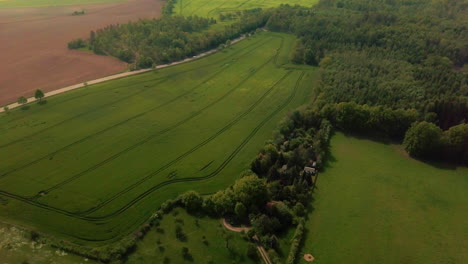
(397, 54)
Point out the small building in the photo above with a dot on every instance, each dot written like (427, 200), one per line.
(310, 171)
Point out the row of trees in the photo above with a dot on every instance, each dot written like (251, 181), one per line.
(149, 42)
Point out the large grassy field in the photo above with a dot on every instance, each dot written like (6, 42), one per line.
(375, 205)
(43, 3)
(94, 163)
(212, 8)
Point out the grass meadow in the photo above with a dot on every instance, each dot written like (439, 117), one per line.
(45, 3)
(374, 204)
(211, 8)
(205, 238)
(93, 164)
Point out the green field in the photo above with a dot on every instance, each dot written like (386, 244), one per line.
(214, 8)
(373, 204)
(93, 164)
(43, 3)
(163, 243)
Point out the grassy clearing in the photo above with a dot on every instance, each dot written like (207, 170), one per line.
(161, 243)
(16, 247)
(211, 8)
(375, 205)
(44, 3)
(93, 164)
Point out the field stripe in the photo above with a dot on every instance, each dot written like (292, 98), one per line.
(129, 119)
(206, 141)
(105, 105)
(154, 188)
(221, 60)
(140, 143)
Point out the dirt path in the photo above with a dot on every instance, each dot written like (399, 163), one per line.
(260, 249)
(34, 51)
(115, 76)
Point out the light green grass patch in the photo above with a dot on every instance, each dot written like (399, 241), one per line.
(212, 8)
(374, 204)
(161, 242)
(44, 3)
(93, 164)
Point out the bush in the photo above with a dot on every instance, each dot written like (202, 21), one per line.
(423, 140)
(252, 251)
(76, 44)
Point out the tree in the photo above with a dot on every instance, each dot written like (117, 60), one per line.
(38, 95)
(422, 139)
(455, 142)
(252, 251)
(240, 210)
(192, 201)
(22, 100)
(6, 109)
(251, 190)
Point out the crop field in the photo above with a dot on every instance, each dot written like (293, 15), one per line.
(93, 164)
(374, 204)
(40, 3)
(214, 8)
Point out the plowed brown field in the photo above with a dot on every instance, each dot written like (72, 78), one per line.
(33, 45)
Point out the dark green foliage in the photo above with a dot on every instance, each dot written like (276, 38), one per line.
(22, 100)
(192, 201)
(423, 140)
(251, 190)
(39, 94)
(76, 44)
(171, 38)
(296, 243)
(180, 235)
(252, 251)
(455, 144)
(168, 7)
(398, 54)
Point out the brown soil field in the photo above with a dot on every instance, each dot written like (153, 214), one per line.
(33, 50)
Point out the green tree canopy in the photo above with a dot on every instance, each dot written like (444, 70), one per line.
(422, 139)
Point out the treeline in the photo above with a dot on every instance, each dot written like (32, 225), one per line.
(149, 42)
(168, 7)
(397, 53)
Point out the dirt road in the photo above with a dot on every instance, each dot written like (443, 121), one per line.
(261, 250)
(115, 76)
(34, 52)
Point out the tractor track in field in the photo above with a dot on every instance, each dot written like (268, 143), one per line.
(147, 81)
(128, 119)
(162, 132)
(192, 150)
(156, 187)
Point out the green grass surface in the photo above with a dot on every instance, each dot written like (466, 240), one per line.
(43, 3)
(158, 245)
(376, 205)
(94, 163)
(16, 247)
(212, 8)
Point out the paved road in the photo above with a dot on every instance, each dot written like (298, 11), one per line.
(116, 76)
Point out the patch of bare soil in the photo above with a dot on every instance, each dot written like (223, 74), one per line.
(34, 52)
